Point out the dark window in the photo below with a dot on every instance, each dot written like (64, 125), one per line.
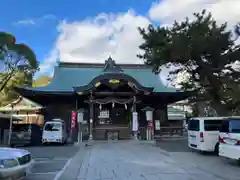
(224, 127)
(234, 126)
(52, 127)
(21, 128)
(193, 125)
(212, 125)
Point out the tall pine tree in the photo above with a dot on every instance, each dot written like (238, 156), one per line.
(203, 49)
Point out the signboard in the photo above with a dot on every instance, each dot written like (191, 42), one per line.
(104, 114)
(80, 117)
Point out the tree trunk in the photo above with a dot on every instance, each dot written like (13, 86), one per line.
(220, 109)
(5, 80)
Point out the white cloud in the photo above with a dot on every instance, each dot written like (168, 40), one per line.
(94, 39)
(169, 10)
(35, 21)
(25, 22)
(49, 16)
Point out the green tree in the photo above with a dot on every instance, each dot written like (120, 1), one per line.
(15, 58)
(7, 95)
(41, 81)
(203, 49)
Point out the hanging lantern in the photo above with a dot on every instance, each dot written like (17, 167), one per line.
(113, 104)
(125, 106)
(100, 106)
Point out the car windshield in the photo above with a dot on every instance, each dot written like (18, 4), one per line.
(234, 126)
(52, 127)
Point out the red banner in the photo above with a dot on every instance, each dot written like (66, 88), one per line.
(150, 124)
(74, 119)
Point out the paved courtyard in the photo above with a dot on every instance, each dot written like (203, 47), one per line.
(135, 161)
(127, 160)
(50, 161)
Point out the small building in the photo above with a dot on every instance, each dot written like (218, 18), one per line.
(28, 111)
(175, 114)
(5, 125)
(184, 105)
(111, 97)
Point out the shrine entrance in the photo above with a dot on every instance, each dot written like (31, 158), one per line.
(112, 123)
(113, 99)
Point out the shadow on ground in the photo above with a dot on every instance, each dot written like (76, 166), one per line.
(52, 152)
(180, 145)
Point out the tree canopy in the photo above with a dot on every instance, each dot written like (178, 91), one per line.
(8, 94)
(205, 50)
(18, 63)
(41, 81)
(14, 58)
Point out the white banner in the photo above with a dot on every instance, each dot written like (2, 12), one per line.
(135, 121)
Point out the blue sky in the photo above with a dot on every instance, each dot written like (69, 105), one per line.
(91, 30)
(48, 14)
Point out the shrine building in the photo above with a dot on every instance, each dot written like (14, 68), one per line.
(113, 98)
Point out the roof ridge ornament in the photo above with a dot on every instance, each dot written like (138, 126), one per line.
(111, 66)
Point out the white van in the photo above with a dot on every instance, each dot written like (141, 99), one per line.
(229, 138)
(54, 132)
(203, 133)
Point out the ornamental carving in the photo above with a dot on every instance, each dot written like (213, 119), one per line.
(114, 81)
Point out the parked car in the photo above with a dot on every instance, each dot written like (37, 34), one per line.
(54, 132)
(26, 134)
(229, 138)
(14, 163)
(203, 133)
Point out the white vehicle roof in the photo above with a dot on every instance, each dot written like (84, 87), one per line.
(234, 117)
(208, 118)
(54, 121)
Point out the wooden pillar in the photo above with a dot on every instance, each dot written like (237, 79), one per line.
(91, 117)
(165, 114)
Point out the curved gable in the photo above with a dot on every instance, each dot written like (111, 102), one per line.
(70, 75)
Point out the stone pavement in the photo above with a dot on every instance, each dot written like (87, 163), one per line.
(49, 160)
(131, 161)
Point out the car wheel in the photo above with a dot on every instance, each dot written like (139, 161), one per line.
(216, 149)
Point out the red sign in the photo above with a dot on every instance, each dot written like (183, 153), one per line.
(74, 119)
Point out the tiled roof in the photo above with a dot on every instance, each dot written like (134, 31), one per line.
(65, 78)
